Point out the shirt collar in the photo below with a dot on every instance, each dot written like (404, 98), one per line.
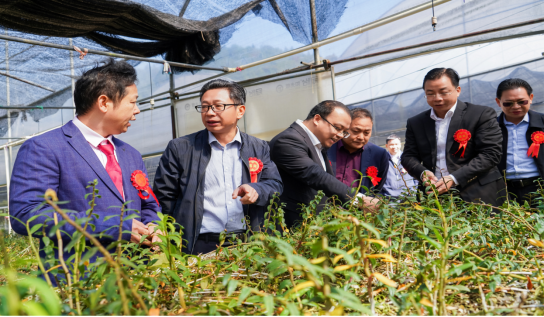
(313, 138)
(449, 114)
(237, 137)
(525, 118)
(90, 135)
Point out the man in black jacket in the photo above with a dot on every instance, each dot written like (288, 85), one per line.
(454, 144)
(522, 130)
(210, 180)
(300, 152)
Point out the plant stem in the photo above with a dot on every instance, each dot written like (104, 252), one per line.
(64, 267)
(105, 253)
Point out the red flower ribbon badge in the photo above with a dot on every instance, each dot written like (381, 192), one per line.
(255, 167)
(462, 136)
(372, 172)
(140, 182)
(537, 138)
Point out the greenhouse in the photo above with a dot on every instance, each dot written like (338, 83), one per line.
(289, 55)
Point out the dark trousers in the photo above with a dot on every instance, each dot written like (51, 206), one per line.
(523, 191)
(203, 246)
(209, 242)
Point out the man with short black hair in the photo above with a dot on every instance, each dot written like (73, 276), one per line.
(209, 181)
(398, 181)
(83, 150)
(356, 153)
(454, 144)
(300, 152)
(522, 129)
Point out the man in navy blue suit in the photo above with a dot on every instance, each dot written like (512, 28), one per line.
(356, 153)
(84, 149)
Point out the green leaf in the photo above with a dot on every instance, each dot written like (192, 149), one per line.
(438, 235)
(231, 287)
(269, 304)
(293, 309)
(460, 288)
(243, 295)
(433, 242)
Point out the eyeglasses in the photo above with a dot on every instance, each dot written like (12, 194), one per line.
(511, 103)
(438, 95)
(344, 133)
(215, 108)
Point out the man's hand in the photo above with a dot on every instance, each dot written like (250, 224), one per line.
(370, 204)
(444, 184)
(249, 194)
(154, 235)
(428, 178)
(138, 230)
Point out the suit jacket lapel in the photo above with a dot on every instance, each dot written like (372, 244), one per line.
(125, 168)
(327, 162)
(78, 142)
(308, 142)
(455, 123)
(331, 154)
(535, 124)
(429, 126)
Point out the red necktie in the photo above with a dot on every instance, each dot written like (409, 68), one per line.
(112, 166)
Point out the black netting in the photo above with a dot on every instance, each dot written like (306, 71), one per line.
(103, 21)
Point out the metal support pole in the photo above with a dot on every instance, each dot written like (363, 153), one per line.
(173, 107)
(333, 80)
(72, 73)
(317, 59)
(8, 101)
(6, 156)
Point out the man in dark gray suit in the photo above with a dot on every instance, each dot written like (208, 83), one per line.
(300, 153)
(454, 144)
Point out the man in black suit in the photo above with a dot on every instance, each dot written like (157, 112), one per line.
(454, 144)
(521, 127)
(300, 153)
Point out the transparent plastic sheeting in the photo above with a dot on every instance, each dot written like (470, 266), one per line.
(151, 131)
(270, 107)
(454, 18)
(391, 112)
(394, 77)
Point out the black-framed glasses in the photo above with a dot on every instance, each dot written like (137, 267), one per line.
(215, 108)
(344, 133)
(519, 102)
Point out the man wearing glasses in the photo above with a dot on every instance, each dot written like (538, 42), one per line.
(521, 127)
(454, 144)
(209, 181)
(300, 152)
(355, 153)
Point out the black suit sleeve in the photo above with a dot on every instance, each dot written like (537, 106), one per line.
(290, 155)
(488, 140)
(166, 186)
(410, 159)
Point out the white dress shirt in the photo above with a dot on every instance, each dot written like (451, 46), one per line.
(315, 142)
(223, 175)
(94, 139)
(441, 127)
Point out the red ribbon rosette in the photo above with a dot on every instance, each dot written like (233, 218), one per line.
(462, 136)
(255, 167)
(140, 182)
(537, 138)
(372, 172)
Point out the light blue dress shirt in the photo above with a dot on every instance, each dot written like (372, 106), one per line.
(518, 164)
(223, 175)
